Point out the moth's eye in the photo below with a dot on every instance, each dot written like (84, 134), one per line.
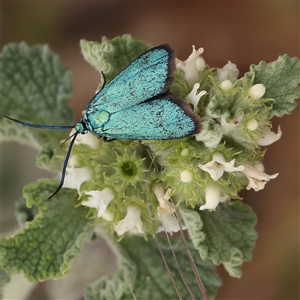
(81, 128)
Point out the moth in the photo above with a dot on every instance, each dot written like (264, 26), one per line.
(136, 104)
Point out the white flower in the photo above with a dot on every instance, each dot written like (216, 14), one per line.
(252, 124)
(256, 91)
(185, 152)
(108, 216)
(166, 210)
(165, 206)
(256, 176)
(186, 176)
(170, 224)
(87, 139)
(72, 161)
(132, 221)
(193, 98)
(99, 199)
(192, 65)
(217, 166)
(229, 71)
(226, 85)
(269, 137)
(76, 176)
(212, 197)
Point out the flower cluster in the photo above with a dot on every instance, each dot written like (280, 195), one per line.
(227, 155)
(124, 183)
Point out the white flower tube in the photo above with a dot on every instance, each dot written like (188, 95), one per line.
(212, 197)
(132, 221)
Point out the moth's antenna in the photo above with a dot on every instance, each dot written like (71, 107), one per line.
(40, 126)
(69, 150)
(63, 173)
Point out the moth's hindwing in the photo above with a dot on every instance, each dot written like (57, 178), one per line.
(166, 118)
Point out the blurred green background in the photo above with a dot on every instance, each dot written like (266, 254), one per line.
(242, 32)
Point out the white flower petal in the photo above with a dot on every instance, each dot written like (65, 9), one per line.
(165, 210)
(108, 216)
(72, 161)
(132, 221)
(269, 137)
(185, 152)
(186, 176)
(192, 65)
(215, 170)
(169, 224)
(212, 197)
(252, 124)
(165, 207)
(256, 91)
(193, 98)
(217, 166)
(257, 178)
(99, 199)
(229, 71)
(226, 85)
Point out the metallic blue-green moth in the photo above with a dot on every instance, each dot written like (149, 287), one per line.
(136, 104)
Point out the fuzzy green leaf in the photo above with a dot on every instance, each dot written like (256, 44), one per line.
(112, 56)
(225, 236)
(148, 278)
(23, 213)
(35, 88)
(114, 288)
(50, 159)
(48, 245)
(281, 79)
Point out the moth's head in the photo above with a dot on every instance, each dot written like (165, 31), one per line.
(80, 127)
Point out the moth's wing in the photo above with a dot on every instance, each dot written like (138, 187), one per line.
(159, 119)
(146, 77)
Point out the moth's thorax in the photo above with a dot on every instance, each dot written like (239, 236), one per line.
(95, 119)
